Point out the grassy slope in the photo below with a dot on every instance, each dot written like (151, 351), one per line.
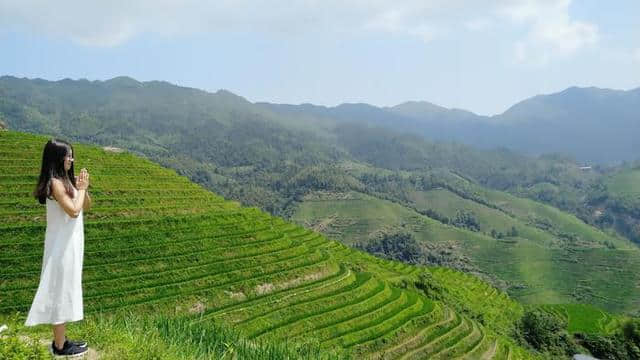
(626, 186)
(541, 265)
(585, 318)
(522, 213)
(157, 244)
(525, 209)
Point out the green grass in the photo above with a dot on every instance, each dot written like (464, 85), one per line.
(130, 335)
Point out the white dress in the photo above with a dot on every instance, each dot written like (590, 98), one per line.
(59, 296)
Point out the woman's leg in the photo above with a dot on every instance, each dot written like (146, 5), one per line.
(58, 335)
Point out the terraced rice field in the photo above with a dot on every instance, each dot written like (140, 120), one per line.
(156, 242)
(585, 318)
(495, 306)
(537, 267)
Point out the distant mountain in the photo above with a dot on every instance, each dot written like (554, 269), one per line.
(426, 111)
(595, 125)
(589, 124)
(590, 104)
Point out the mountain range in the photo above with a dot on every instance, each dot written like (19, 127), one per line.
(592, 125)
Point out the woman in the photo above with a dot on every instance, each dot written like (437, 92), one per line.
(59, 296)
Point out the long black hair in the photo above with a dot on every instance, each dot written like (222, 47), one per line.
(53, 167)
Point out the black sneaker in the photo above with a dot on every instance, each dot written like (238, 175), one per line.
(78, 343)
(68, 350)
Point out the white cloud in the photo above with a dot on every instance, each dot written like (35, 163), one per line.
(547, 23)
(520, 51)
(636, 55)
(400, 21)
(113, 22)
(551, 30)
(478, 24)
(108, 23)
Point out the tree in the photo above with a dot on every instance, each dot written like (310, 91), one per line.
(513, 231)
(397, 246)
(466, 219)
(546, 333)
(631, 332)
(624, 344)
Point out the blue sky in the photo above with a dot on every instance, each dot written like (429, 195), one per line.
(480, 55)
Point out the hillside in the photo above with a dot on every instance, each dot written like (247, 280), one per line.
(618, 204)
(585, 318)
(157, 243)
(552, 258)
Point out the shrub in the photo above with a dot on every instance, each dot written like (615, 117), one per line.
(466, 219)
(429, 286)
(397, 246)
(631, 331)
(546, 333)
(603, 347)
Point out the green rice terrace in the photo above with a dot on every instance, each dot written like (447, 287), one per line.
(585, 318)
(554, 258)
(155, 243)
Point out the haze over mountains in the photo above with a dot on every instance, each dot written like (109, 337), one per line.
(593, 125)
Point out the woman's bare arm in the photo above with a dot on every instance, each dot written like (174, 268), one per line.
(72, 207)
